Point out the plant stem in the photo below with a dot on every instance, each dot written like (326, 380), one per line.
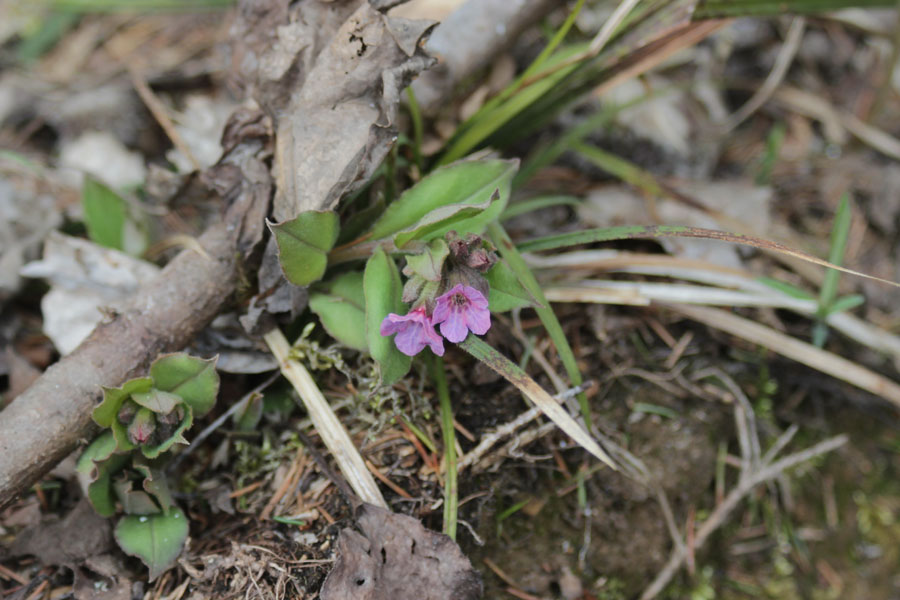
(451, 490)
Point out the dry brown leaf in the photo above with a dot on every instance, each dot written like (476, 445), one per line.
(396, 558)
(81, 534)
(340, 125)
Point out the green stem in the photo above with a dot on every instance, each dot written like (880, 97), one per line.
(451, 490)
(545, 312)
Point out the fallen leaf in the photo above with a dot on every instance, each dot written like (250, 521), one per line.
(81, 534)
(340, 125)
(396, 558)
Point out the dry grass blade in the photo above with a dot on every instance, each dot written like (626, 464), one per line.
(336, 438)
(794, 349)
(536, 394)
(660, 265)
(723, 510)
(776, 76)
(626, 232)
(816, 107)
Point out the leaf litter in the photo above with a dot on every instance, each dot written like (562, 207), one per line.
(640, 389)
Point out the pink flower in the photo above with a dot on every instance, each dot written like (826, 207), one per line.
(414, 331)
(461, 310)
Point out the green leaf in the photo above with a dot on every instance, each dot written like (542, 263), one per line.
(172, 437)
(155, 482)
(845, 303)
(469, 182)
(382, 287)
(156, 539)
(342, 309)
(108, 219)
(532, 204)
(839, 234)
(442, 220)
(786, 288)
(134, 502)
(105, 413)
(95, 466)
(507, 292)
(429, 264)
(303, 245)
(544, 311)
(194, 379)
(157, 400)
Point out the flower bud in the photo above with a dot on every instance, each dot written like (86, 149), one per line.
(142, 427)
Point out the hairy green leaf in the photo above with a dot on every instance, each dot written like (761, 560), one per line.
(156, 539)
(507, 292)
(383, 289)
(470, 182)
(194, 379)
(303, 244)
(341, 307)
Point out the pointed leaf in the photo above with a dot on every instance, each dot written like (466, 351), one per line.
(507, 292)
(156, 539)
(463, 182)
(441, 220)
(105, 214)
(303, 245)
(194, 379)
(342, 309)
(155, 482)
(382, 287)
(429, 264)
(95, 466)
(105, 413)
(134, 502)
(157, 400)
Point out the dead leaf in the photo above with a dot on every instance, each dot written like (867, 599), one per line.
(396, 558)
(102, 578)
(84, 277)
(81, 534)
(340, 126)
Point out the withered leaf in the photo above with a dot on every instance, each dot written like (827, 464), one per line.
(396, 558)
(339, 127)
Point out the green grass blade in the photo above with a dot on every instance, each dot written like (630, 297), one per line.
(715, 9)
(545, 312)
(527, 206)
(839, 234)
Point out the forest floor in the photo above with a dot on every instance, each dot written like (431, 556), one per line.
(539, 517)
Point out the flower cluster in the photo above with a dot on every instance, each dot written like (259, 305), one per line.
(458, 311)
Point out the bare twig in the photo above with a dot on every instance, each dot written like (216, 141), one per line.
(723, 510)
(50, 419)
(776, 75)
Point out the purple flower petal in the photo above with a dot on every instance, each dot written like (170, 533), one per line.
(414, 331)
(454, 327)
(460, 310)
(392, 324)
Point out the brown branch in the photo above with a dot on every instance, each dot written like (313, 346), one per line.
(53, 416)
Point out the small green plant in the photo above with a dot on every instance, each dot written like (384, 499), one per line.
(122, 471)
